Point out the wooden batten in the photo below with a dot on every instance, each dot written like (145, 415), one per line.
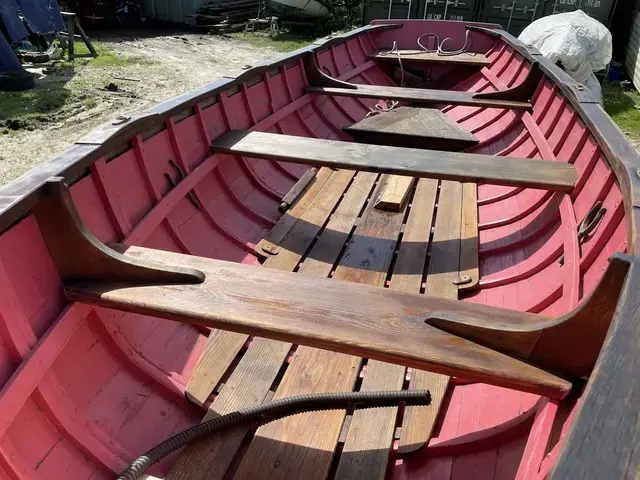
(395, 193)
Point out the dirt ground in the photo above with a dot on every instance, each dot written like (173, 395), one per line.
(70, 100)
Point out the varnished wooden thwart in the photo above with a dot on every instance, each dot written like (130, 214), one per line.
(341, 316)
(464, 167)
(420, 56)
(419, 96)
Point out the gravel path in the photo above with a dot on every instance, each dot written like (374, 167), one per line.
(159, 66)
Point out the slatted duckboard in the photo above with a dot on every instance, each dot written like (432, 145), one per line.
(334, 230)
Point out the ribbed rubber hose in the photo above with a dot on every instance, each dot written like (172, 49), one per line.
(271, 411)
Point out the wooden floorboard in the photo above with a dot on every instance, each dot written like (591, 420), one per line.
(250, 381)
(289, 219)
(443, 268)
(370, 438)
(469, 261)
(222, 347)
(302, 446)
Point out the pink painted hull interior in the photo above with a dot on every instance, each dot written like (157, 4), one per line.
(87, 389)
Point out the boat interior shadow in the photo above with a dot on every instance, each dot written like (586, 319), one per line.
(375, 246)
(511, 435)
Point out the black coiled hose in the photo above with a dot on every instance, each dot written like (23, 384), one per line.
(271, 411)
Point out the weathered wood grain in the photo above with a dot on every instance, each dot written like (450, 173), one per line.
(395, 193)
(370, 437)
(302, 446)
(304, 182)
(412, 127)
(421, 56)
(289, 219)
(218, 353)
(466, 167)
(418, 423)
(419, 96)
(367, 260)
(469, 261)
(222, 347)
(340, 316)
(250, 381)
(570, 343)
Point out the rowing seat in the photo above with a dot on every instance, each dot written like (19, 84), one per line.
(420, 96)
(516, 97)
(420, 56)
(461, 167)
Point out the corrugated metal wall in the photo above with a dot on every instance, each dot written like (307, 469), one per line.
(177, 11)
(632, 60)
(513, 15)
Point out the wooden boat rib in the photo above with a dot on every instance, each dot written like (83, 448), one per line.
(500, 289)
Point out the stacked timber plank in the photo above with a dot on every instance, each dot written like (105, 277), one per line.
(227, 14)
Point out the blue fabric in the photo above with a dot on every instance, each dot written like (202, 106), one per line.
(43, 16)
(10, 23)
(8, 60)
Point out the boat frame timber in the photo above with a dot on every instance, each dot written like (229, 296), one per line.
(601, 443)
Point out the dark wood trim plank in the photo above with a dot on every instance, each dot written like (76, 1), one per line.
(381, 324)
(463, 167)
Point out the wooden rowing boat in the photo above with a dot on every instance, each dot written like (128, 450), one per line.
(333, 221)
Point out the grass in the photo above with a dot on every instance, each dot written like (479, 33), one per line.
(622, 103)
(61, 92)
(285, 42)
(106, 58)
(31, 105)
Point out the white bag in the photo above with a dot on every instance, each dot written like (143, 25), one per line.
(581, 43)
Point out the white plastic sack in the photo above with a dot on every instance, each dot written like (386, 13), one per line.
(579, 42)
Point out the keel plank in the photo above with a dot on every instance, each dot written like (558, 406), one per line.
(302, 446)
(250, 381)
(370, 437)
(444, 261)
(469, 237)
